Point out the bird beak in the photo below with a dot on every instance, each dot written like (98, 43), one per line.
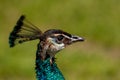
(76, 39)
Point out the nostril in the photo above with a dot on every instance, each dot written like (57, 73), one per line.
(75, 37)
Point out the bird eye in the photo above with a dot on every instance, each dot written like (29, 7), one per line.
(60, 37)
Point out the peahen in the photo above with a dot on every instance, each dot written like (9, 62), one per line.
(51, 42)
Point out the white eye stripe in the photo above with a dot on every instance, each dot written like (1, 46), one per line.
(66, 36)
(63, 35)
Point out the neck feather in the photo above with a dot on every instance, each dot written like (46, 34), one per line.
(46, 71)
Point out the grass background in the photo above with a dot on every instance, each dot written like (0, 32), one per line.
(98, 21)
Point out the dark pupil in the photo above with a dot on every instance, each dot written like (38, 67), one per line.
(60, 37)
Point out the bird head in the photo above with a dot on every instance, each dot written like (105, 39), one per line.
(56, 40)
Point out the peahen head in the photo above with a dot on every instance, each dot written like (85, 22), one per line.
(54, 40)
(51, 42)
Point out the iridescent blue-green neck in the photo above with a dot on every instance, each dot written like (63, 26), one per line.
(46, 71)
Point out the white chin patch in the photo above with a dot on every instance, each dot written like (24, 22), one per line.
(59, 46)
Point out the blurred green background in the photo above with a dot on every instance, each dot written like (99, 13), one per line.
(98, 21)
